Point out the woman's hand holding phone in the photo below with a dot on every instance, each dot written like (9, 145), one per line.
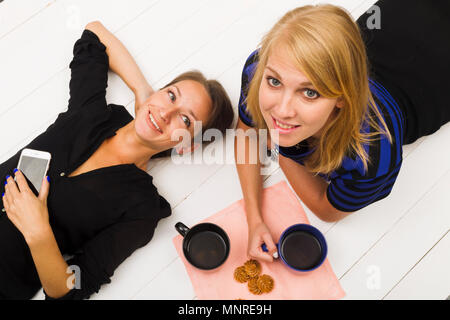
(26, 211)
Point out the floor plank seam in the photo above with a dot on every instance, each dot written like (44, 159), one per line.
(205, 180)
(28, 19)
(154, 277)
(406, 274)
(394, 224)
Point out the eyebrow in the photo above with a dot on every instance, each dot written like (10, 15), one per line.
(178, 90)
(304, 84)
(189, 111)
(193, 115)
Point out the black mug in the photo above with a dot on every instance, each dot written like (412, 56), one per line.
(206, 246)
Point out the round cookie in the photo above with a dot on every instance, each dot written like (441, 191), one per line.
(265, 283)
(240, 275)
(253, 268)
(253, 286)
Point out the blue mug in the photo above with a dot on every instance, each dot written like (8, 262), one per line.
(301, 247)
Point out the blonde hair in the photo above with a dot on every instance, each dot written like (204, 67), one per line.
(326, 45)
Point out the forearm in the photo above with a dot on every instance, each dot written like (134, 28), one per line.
(120, 60)
(251, 185)
(50, 264)
(250, 178)
(310, 188)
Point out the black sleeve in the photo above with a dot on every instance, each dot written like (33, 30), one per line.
(89, 71)
(99, 257)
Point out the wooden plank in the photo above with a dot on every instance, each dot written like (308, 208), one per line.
(361, 8)
(46, 43)
(399, 249)
(15, 13)
(171, 284)
(429, 278)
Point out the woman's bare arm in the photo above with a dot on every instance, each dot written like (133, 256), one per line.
(250, 178)
(311, 189)
(122, 63)
(50, 265)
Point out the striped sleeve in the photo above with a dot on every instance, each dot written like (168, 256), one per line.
(247, 75)
(350, 195)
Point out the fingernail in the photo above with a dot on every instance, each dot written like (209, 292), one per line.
(48, 178)
(15, 170)
(3, 194)
(7, 176)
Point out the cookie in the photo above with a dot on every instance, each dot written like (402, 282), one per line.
(265, 283)
(253, 286)
(241, 275)
(253, 268)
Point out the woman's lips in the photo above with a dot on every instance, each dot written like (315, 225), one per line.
(150, 123)
(283, 130)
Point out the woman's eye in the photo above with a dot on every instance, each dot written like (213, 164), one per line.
(311, 94)
(273, 82)
(186, 121)
(172, 96)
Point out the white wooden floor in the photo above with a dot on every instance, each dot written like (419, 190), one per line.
(398, 248)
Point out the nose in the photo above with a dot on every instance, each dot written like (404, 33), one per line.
(285, 108)
(167, 112)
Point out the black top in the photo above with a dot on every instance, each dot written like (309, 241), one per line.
(101, 216)
(408, 55)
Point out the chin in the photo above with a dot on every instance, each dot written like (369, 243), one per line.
(141, 129)
(288, 142)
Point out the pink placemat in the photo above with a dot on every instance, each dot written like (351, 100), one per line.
(281, 209)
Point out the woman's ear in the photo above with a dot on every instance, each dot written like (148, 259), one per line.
(184, 150)
(340, 102)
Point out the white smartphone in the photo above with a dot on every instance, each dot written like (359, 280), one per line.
(34, 165)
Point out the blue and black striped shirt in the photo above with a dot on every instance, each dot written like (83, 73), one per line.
(350, 186)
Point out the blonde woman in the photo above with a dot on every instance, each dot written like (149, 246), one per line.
(343, 98)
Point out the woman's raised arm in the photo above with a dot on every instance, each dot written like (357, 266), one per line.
(122, 63)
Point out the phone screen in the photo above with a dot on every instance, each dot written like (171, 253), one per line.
(34, 170)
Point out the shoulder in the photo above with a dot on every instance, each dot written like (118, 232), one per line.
(250, 64)
(384, 156)
(352, 187)
(119, 111)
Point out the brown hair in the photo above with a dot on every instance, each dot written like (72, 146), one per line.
(222, 113)
(326, 44)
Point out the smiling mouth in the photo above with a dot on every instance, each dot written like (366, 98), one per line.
(284, 127)
(153, 123)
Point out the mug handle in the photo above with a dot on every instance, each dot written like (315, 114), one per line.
(264, 248)
(182, 228)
